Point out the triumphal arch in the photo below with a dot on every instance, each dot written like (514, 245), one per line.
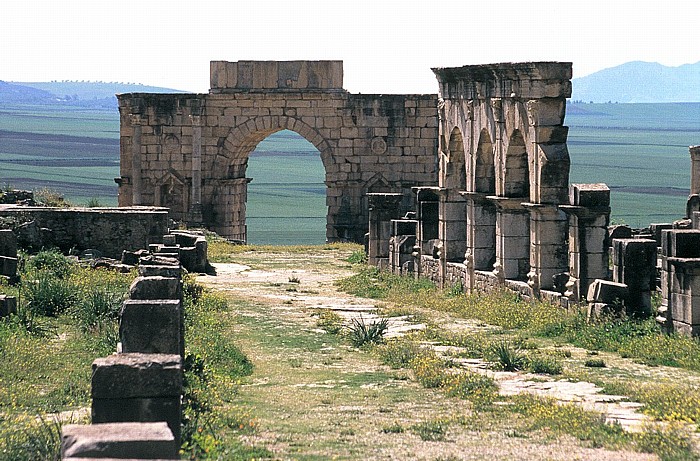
(189, 152)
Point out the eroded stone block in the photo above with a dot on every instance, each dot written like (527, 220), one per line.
(148, 440)
(151, 326)
(156, 287)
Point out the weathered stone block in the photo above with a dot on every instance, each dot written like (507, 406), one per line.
(119, 441)
(155, 288)
(123, 376)
(8, 305)
(146, 270)
(138, 388)
(151, 326)
(589, 195)
(8, 243)
(8, 266)
(606, 292)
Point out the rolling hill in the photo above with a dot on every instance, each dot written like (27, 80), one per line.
(96, 95)
(640, 82)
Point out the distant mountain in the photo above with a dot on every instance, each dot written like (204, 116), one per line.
(96, 95)
(640, 81)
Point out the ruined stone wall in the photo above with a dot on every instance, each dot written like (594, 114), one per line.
(504, 168)
(109, 230)
(189, 152)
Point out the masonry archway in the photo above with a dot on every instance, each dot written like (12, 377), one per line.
(366, 142)
(231, 163)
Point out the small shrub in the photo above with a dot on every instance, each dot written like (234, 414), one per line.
(399, 353)
(595, 363)
(395, 428)
(93, 203)
(361, 333)
(508, 357)
(330, 321)
(545, 365)
(294, 279)
(53, 262)
(430, 431)
(50, 296)
(429, 369)
(479, 389)
(357, 257)
(51, 198)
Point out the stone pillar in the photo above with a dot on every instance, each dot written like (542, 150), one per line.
(403, 240)
(680, 281)
(136, 174)
(138, 388)
(548, 252)
(453, 226)
(383, 207)
(694, 170)
(589, 216)
(481, 231)
(195, 214)
(427, 200)
(634, 264)
(512, 239)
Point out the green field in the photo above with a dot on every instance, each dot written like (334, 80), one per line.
(639, 150)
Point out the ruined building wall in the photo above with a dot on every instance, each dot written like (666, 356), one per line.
(189, 152)
(504, 169)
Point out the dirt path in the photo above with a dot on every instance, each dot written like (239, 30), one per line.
(318, 398)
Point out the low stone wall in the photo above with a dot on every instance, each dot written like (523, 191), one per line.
(430, 268)
(109, 230)
(455, 274)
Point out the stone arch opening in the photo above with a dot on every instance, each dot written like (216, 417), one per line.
(285, 205)
(227, 211)
(481, 214)
(456, 174)
(513, 220)
(485, 170)
(517, 172)
(453, 207)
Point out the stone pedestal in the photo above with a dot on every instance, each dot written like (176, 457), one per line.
(634, 264)
(138, 388)
(383, 208)
(680, 281)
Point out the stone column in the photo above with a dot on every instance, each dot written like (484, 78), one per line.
(136, 174)
(694, 170)
(589, 216)
(680, 281)
(481, 230)
(195, 215)
(512, 239)
(453, 226)
(548, 252)
(634, 264)
(383, 207)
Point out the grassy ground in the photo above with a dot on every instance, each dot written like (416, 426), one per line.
(312, 395)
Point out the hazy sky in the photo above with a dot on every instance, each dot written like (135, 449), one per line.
(387, 46)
